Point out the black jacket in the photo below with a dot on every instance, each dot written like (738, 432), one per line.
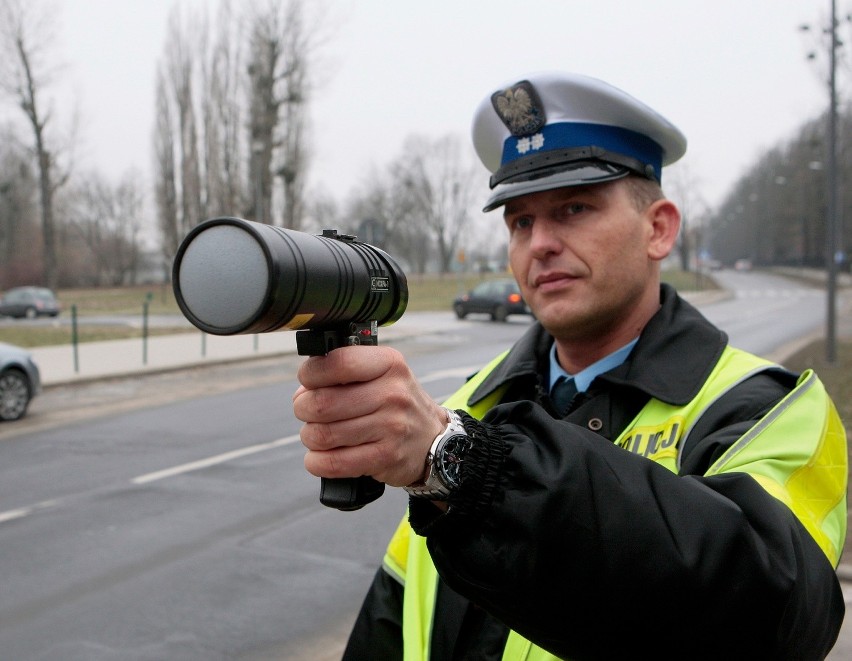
(593, 552)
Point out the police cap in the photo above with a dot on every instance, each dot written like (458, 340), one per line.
(552, 130)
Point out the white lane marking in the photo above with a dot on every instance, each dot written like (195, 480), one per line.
(262, 447)
(21, 512)
(213, 461)
(11, 515)
(224, 457)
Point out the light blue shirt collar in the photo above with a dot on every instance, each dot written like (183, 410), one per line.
(584, 378)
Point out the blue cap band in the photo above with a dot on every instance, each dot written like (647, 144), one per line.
(566, 135)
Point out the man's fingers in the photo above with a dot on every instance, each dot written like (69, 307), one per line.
(336, 403)
(346, 365)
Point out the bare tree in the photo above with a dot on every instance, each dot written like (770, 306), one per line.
(179, 193)
(217, 107)
(684, 189)
(170, 221)
(26, 32)
(436, 185)
(108, 220)
(386, 207)
(181, 58)
(124, 229)
(323, 213)
(222, 115)
(407, 234)
(295, 94)
(264, 62)
(280, 48)
(20, 261)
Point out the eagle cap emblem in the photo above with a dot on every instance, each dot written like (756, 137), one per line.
(520, 109)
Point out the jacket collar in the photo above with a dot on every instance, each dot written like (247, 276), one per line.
(675, 353)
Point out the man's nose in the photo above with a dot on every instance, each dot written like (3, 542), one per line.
(544, 239)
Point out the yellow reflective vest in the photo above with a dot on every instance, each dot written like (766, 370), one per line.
(797, 453)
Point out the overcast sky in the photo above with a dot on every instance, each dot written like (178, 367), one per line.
(731, 74)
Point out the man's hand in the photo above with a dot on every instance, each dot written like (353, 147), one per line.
(365, 414)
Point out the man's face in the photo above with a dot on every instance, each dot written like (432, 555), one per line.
(581, 257)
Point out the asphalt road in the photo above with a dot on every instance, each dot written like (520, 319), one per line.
(173, 519)
(766, 313)
(169, 517)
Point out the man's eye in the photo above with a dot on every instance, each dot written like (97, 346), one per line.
(574, 208)
(523, 222)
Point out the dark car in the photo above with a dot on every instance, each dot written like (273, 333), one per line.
(20, 381)
(499, 298)
(29, 302)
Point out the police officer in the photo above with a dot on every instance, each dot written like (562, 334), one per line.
(621, 483)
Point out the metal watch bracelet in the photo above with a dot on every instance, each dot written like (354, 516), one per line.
(432, 487)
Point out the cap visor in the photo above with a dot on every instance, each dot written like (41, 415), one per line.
(578, 174)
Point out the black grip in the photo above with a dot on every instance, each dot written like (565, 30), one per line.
(350, 493)
(346, 493)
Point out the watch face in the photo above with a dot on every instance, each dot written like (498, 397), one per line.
(450, 457)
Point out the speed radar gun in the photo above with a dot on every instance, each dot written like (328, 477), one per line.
(234, 276)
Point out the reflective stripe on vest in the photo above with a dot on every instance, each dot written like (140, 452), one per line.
(797, 452)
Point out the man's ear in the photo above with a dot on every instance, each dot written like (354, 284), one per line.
(664, 223)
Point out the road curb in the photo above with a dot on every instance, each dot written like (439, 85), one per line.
(157, 371)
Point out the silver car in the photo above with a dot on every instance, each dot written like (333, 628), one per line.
(20, 381)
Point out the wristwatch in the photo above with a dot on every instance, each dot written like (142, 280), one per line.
(443, 463)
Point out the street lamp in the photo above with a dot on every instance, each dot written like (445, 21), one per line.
(832, 225)
(833, 255)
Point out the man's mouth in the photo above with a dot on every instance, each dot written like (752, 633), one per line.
(552, 280)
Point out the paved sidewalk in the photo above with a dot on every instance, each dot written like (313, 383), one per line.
(97, 360)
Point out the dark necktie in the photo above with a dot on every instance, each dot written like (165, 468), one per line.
(562, 394)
